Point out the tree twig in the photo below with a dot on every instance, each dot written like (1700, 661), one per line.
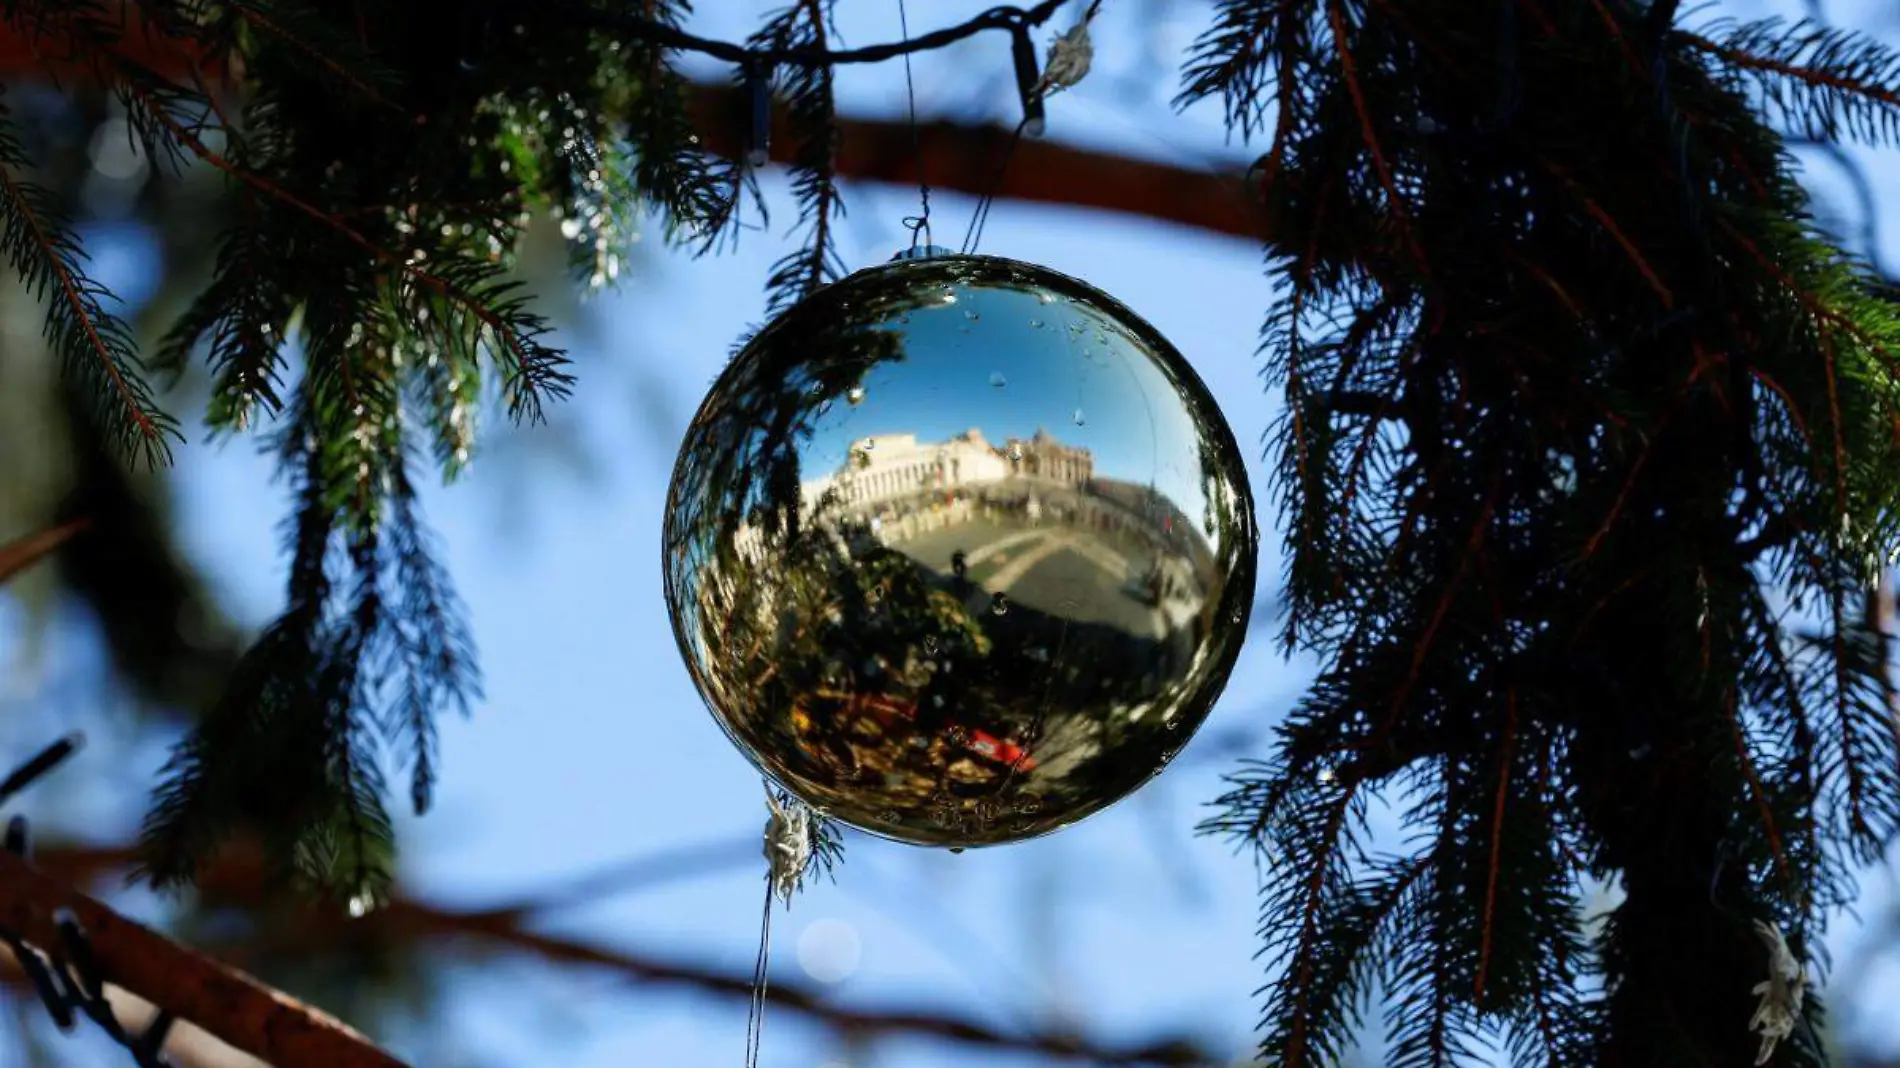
(236, 881)
(18, 555)
(957, 156)
(223, 1001)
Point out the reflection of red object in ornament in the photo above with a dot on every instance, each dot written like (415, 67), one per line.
(1001, 751)
(1167, 524)
(980, 743)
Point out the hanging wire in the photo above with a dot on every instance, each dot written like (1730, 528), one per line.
(667, 36)
(919, 225)
(755, 1007)
(1068, 63)
(974, 235)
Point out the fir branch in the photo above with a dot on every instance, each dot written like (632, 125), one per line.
(435, 648)
(309, 39)
(700, 197)
(1231, 60)
(1491, 871)
(95, 346)
(1509, 411)
(814, 181)
(1395, 204)
(1821, 81)
(251, 756)
(244, 314)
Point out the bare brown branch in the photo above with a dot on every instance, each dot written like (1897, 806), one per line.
(235, 881)
(956, 156)
(227, 1003)
(18, 555)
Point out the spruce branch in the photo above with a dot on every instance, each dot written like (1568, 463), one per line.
(95, 346)
(1541, 474)
(295, 33)
(507, 331)
(808, 91)
(1823, 82)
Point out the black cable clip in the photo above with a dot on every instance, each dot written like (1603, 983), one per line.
(1028, 78)
(756, 73)
(67, 978)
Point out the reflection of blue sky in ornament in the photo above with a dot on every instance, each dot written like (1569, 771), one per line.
(1132, 426)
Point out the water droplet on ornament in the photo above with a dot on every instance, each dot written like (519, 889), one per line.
(1170, 723)
(997, 381)
(956, 849)
(1045, 297)
(1015, 452)
(1080, 419)
(359, 906)
(999, 606)
(1035, 324)
(1326, 775)
(972, 316)
(856, 396)
(1237, 613)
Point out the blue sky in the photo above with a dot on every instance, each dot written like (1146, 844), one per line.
(593, 747)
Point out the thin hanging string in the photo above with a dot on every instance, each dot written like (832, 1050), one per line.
(788, 853)
(974, 235)
(755, 1010)
(1068, 63)
(919, 225)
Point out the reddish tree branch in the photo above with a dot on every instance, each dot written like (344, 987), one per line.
(18, 555)
(235, 881)
(956, 156)
(229, 1004)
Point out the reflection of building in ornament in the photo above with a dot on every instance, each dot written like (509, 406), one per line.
(1044, 457)
(888, 468)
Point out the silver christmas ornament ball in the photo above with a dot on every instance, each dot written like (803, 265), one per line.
(959, 550)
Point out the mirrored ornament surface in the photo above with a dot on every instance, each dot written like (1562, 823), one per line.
(992, 592)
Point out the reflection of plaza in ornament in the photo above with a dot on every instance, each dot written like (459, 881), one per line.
(972, 631)
(1068, 610)
(1027, 519)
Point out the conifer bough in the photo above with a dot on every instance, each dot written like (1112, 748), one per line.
(1590, 561)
